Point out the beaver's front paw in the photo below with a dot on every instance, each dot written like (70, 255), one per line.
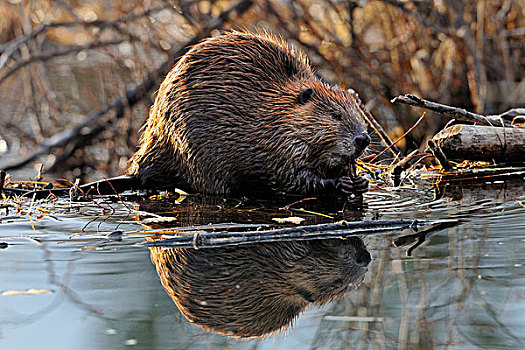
(351, 184)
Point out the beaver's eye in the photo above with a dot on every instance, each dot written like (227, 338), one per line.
(337, 116)
(305, 96)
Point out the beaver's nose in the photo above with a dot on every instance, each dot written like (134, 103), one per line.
(361, 142)
(363, 258)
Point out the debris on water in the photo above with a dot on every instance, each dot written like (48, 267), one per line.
(289, 220)
(30, 291)
(131, 342)
(162, 220)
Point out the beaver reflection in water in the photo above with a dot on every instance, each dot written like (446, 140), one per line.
(255, 290)
(243, 113)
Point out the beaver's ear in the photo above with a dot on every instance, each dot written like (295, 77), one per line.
(306, 95)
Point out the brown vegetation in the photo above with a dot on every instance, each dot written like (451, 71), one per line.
(62, 62)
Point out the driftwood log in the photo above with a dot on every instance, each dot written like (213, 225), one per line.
(485, 143)
(495, 138)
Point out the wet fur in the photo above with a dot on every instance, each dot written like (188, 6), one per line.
(227, 119)
(255, 290)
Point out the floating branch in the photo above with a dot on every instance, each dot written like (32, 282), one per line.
(200, 228)
(477, 174)
(339, 229)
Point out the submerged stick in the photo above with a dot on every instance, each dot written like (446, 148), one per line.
(339, 229)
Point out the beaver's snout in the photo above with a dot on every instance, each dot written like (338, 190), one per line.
(361, 141)
(359, 253)
(363, 258)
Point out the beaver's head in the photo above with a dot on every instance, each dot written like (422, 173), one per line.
(332, 125)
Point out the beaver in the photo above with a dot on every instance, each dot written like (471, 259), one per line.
(256, 290)
(244, 112)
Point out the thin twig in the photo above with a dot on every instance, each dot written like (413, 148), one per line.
(376, 126)
(44, 56)
(9, 48)
(439, 155)
(417, 16)
(400, 137)
(2, 181)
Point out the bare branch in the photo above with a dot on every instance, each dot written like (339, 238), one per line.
(429, 24)
(98, 121)
(454, 112)
(44, 56)
(11, 46)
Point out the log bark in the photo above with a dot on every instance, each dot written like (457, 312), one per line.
(482, 143)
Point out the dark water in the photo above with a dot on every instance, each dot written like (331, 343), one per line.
(464, 287)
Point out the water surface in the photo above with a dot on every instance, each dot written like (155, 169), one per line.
(463, 287)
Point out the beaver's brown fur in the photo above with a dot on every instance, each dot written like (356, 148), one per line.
(251, 291)
(244, 112)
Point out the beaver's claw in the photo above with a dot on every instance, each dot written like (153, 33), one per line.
(351, 184)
